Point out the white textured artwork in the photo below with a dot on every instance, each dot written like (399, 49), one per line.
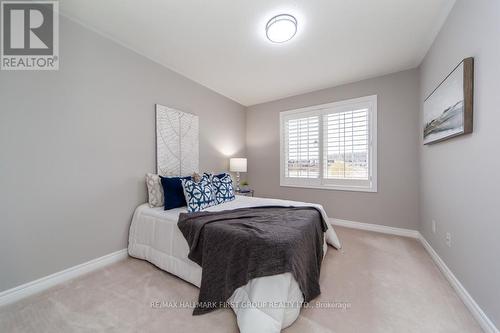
(177, 140)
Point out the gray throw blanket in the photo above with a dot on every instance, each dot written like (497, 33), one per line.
(235, 246)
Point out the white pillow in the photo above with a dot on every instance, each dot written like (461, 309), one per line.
(155, 190)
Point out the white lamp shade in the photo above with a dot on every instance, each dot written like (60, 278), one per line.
(238, 165)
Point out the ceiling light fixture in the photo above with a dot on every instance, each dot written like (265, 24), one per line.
(281, 28)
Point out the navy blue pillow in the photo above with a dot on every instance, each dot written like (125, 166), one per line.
(220, 176)
(173, 191)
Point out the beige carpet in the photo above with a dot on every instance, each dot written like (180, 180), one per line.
(389, 284)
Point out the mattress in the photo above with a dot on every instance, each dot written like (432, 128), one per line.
(155, 237)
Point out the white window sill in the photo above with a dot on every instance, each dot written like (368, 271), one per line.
(372, 189)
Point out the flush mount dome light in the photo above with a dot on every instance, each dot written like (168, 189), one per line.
(281, 28)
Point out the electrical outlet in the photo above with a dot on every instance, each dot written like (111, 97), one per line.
(433, 226)
(448, 239)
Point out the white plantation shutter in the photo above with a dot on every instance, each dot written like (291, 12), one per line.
(330, 146)
(346, 145)
(302, 147)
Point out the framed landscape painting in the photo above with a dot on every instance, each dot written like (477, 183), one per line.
(448, 109)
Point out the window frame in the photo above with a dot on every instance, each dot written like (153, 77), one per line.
(370, 185)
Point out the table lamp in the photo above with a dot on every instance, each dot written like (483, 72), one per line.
(238, 165)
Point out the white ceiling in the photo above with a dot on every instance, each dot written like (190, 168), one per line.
(221, 44)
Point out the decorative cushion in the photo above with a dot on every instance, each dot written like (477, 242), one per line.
(198, 195)
(210, 175)
(223, 188)
(155, 190)
(173, 191)
(196, 177)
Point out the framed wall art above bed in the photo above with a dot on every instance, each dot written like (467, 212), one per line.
(177, 142)
(449, 108)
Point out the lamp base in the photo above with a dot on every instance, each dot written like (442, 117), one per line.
(237, 182)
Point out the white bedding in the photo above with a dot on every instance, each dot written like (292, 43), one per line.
(155, 237)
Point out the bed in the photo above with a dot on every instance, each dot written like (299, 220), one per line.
(155, 237)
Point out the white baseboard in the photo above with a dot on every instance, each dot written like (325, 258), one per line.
(376, 228)
(478, 314)
(33, 287)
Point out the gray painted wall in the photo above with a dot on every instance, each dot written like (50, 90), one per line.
(460, 177)
(75, 145)
(396, 203)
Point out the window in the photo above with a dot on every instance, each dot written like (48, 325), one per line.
(330, 146)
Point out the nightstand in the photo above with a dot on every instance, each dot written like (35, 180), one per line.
(247, 193)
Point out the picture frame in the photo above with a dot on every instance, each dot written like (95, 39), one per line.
(177, 142)
(448, 110)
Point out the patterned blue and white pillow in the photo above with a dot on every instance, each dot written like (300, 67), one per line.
(198, 195)
(223, 188)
